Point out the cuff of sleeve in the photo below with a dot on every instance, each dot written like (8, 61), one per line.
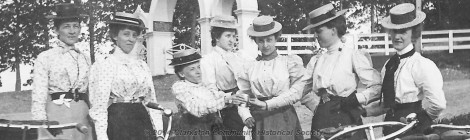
(311, 105)
(271, 104)
(361, 99)
(244, 113)
(432, 116)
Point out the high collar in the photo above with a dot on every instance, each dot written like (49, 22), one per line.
(335, 47)
(191, 83)
(123, 57)
(221, 51)
(406, 49)
(66, 48)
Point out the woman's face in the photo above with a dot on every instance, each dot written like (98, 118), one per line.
(400, 38)
(266, 44)
(126, 39)
(68, 32)
(227, 40)
(192, 73)
(325, 36)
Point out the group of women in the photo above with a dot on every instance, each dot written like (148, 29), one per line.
(221, 93)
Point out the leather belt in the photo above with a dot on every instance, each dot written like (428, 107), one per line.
(69, 95)
(233, 90)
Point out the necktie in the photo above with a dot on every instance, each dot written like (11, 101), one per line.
(388, 85)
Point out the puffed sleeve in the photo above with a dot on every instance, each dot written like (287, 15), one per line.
(296, 71)
(40, 88)
(208, 72)
(310, 99)
(101, 75)
(155, 115)
(428, 78)
(194, 104)
(370, 77)
(244, 86)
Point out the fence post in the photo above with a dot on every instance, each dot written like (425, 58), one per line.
(451, 41)
(387, 51)
(289, 45)
(355, 39)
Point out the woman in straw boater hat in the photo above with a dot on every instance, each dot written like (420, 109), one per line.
(198, 104)
(273, 83)
(220, 68)
(61, 76)
(333, 77)
(120, 85)
(409, 79)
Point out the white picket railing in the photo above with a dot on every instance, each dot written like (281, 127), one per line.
(380, 42)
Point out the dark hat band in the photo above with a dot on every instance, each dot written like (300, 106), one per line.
(263, 28)
(327, 15)
(403, 18)
(127, 20)
(185, 59)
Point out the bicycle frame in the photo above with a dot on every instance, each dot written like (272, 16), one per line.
(410, 118)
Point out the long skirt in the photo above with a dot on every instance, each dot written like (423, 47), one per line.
(329, 114)
(279, 124)
(233, 124)
(190, 127)
(129, 121)
(403, 110)
(77, 113)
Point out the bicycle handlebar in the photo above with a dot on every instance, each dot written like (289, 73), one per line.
(82, 128)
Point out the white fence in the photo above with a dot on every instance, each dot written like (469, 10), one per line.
(380, 42)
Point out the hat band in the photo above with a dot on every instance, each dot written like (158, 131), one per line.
(403, 18)
(127, 20)
(322, 17)
(263, 28)
(185, 59)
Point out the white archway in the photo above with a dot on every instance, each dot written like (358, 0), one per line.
(160, 16)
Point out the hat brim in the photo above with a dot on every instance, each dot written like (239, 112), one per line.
(342, 12)
(139, 26)
(192, 61)
(252, 32)
(387, 22)
(225, 26)
(65, 17)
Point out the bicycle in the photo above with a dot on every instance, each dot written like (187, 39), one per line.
(167, 113)
(455, 132)
(29, 129)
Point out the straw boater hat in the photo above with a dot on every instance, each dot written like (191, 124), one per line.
(127, 19)
(264, 26)
(66, 10)
(184, 55)
(403, 16)
(224, 22)
(322, 15)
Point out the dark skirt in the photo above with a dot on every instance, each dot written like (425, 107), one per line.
(233, 124)
(129, 121)
(402, 110)
(329, 114)
(279, 124)
(190, 127)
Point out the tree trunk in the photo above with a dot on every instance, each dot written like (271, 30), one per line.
(91, 30)
(18, 74)
(372, 17)
(193, 27)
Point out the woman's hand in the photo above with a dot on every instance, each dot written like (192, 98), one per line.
(257, 104)
(235, 99)
(250, 122)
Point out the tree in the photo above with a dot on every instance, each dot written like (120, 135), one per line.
(22, 37)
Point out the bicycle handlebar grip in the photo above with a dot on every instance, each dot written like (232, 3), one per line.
(82, 128)
(154, 106)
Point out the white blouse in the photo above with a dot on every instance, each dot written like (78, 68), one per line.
(197, 99)
(278, 79)
(123, 76)
(339, 72)
(220, 68)
(58, 70)
(418, 78)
